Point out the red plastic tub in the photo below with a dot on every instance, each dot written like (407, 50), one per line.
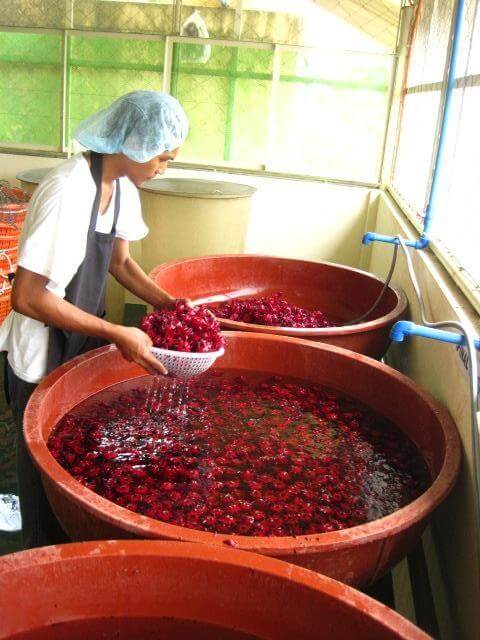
(134, 590)
(358, 555)
(341, 292)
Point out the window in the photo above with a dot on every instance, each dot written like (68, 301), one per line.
(30, 72)
(102, 69)
(456, 221)
(422, 100)
(289, 86)
(227, 102)
(329, 114)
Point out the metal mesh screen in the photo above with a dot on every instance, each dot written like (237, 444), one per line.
(102, 69)
(30, 73)
(98, 15)
(227, 102)
(358, 24)
(376, 19)
(130, 17)
(243, 113)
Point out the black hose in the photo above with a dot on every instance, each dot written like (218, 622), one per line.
(382, 292)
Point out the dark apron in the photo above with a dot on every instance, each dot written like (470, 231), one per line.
(86, 291)
(87, 288)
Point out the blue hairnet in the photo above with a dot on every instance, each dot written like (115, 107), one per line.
(141, 125)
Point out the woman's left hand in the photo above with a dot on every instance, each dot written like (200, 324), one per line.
(169, 304)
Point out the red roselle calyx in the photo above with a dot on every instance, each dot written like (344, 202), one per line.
(251, 455)
(183, 329)
(272, 311)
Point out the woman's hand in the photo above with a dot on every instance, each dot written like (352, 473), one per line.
(169, 304)
(134, 345)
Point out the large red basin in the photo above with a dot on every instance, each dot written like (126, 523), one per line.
(358, 555)
(134, 590)
(341, 292)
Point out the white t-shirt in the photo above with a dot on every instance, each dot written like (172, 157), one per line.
(53, 244)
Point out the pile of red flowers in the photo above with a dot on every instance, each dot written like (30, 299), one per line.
(253, 455)
(183, 329)
(272, 311)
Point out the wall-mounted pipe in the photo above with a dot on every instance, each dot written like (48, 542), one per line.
(447, 112)
(406, 328)
(371, 236)
(465, 336)
(430, 209)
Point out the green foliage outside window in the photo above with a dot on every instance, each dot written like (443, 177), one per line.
(326, 116)
(30, 76)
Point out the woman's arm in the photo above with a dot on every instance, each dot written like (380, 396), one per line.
(31, 298)
(127, 272)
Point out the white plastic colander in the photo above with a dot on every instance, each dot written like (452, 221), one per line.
(181, 364)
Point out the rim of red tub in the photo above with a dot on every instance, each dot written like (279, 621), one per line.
(78, 552)
(375, 323)
(143, 526)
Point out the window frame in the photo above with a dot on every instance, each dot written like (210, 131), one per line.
(62, 150)
(468, 284)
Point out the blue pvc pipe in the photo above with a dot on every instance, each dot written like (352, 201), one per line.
(370, 237)
(430, 209)
(447, 111)
(406, 328)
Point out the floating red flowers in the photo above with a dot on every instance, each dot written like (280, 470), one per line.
(272, 311)
(248, 454)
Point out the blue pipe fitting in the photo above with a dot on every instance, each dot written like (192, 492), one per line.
(370, 237)
(406, 328)
(422, 242)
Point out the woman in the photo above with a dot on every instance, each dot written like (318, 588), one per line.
(82, 217)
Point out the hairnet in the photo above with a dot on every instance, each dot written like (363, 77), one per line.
(141, 125)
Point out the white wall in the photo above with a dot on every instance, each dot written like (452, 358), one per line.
(308, 220)
(11, 164)
(451, 545)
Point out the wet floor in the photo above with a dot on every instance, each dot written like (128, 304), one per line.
(10, 540)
